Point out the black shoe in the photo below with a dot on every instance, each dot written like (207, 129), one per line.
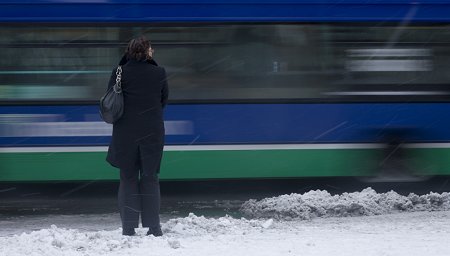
(156, 231)
(128, 232)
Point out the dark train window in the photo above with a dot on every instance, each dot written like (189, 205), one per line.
(234, 62)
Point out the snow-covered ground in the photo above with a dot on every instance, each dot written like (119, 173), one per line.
(413, 225)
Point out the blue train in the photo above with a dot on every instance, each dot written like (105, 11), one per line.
(258, 88)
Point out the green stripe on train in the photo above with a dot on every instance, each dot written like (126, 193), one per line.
(219, 164)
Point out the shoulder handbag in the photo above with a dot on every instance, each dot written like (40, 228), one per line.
(111, 104)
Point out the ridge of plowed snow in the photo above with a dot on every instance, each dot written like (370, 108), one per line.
(320, 203)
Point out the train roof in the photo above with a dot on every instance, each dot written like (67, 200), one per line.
(117, 11)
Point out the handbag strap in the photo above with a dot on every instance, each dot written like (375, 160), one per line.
(118, 84)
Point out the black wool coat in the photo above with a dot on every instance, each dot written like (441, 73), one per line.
(138, 136)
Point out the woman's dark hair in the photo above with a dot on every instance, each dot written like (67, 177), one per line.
(137, 49)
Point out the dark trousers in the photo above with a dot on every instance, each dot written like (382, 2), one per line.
(139, 193)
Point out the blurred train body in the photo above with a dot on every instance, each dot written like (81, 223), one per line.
(258, 89)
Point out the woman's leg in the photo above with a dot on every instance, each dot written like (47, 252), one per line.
(129, 199)
(149, 188)
(151, 200)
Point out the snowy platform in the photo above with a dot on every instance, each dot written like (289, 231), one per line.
(417, 229)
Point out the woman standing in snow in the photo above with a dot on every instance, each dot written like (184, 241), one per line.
(138, 137)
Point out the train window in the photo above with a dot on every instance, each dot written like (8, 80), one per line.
(56, 63)
(233, 62)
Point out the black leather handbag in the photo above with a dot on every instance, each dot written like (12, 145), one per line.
(111, 104)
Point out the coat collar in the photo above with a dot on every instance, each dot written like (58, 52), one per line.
(124, 61)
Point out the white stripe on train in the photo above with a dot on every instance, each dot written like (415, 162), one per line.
(224, 147)
(78, 129)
